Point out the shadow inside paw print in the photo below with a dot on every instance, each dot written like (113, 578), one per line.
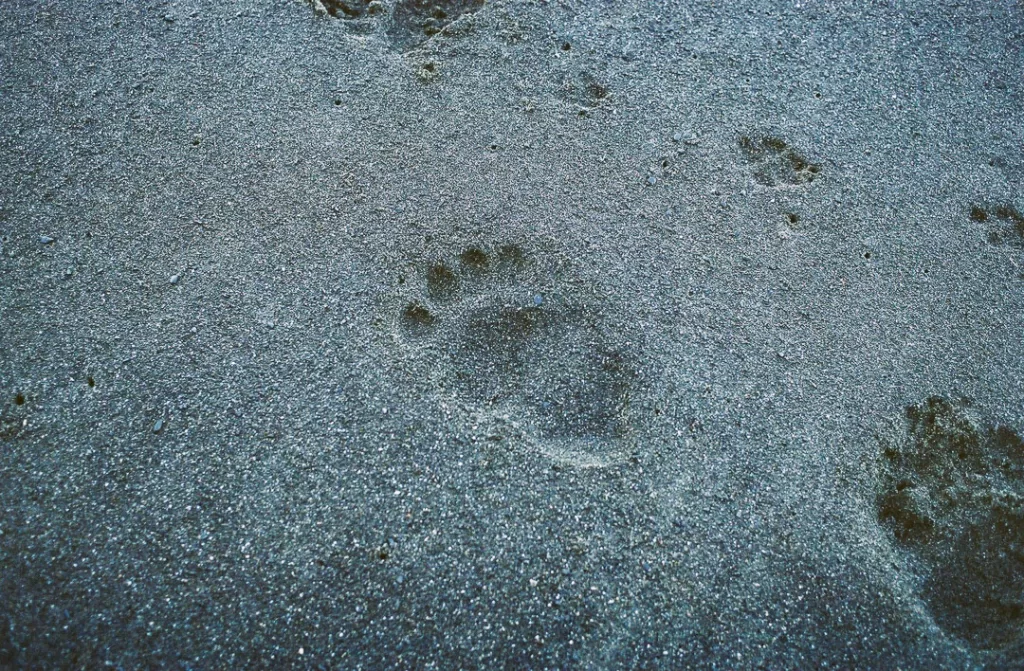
(953, 495)
(776, 163)
(515, 344)
(555, 362)
(980, 586)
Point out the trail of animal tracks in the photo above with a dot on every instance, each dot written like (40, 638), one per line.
(555, 335)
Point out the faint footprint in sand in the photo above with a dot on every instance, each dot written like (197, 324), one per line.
(952, 494)
(416, 21)
(534, 354)
(13, 416)
(585, 92)
(410, 24)
(1006, 224)
(776, 163)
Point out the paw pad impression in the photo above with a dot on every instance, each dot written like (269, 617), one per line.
(519, 341)
(952, 494)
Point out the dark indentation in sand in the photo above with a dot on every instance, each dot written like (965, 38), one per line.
(351, 9)
(952, 493)
(416, 21)
(417, 318)
(980, 583)
(490, 353)
(555, 362)
(428, 71)
(441, 282)
(12, 416)
(511, 257)
(1006, 223)
(796, 223)
(474, 260)
(412, 22)
(776, 163)
(585, 91)
(552, 365)
(587, 394)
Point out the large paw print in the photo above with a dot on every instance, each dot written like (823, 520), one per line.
(519, 342)
(952, 494)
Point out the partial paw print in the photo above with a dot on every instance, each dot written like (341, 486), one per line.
(13, 417)
(534, 353)
(1006, 224)
(952, 493)
(776, 163)
(585, 92)
(349, 9)
(359, 15)
(410, 24)
(416, 21)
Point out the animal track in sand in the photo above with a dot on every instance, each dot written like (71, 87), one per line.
(776, 163)
(411, 22)
(521, 345)
(1006, 224)
(349, 9)
(13, 416)
(416, 21)
(951, 491)
(585, 92)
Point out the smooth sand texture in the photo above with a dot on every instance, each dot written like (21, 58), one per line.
(515, 334)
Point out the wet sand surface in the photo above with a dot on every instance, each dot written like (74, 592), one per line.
(517, 334)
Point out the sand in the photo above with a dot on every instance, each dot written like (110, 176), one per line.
(517, 334)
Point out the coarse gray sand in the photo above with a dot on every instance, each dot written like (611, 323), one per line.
(517, 334)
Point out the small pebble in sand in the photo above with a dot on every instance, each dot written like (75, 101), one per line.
(46, 240)
(538, 300)
(174, 279)
(158, 426)
(652, 180)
